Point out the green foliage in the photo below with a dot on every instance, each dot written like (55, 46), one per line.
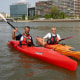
(36, 16)
(54, 12)
(55, 16)
(62, 15)
(23, 17)
(30, 18)
(47, 16)
(15, 18)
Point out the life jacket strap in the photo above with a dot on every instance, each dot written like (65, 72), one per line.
(52, 40)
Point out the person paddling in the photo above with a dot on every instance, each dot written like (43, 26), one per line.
(25, 38)
(52, 38)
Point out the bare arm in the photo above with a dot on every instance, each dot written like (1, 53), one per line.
(59, 38)
(13, 34)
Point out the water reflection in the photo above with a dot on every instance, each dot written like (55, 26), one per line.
(35, 68)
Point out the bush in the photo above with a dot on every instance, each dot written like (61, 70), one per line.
(62, 15)
(36, 17)
(47, 16)
(23, 17)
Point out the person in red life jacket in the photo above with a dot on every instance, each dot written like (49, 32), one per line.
(25, 38)
(52, 38)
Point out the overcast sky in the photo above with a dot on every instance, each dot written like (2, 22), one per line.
(4, 4)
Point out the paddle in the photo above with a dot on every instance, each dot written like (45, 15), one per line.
(9, 23)
(12, 25)
(67, 38)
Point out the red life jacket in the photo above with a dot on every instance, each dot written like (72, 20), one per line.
(25, 40)
(53, 39)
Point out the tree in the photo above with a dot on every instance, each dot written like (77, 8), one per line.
(54, 12)
(23, 17)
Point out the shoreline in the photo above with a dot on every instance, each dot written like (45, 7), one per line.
(47, 20)
(58, 20)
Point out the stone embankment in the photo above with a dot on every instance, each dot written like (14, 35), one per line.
(58, 20)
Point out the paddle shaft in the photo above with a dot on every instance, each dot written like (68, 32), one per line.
(14, 27)
(9, 23)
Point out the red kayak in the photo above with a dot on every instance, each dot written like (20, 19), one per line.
(46, 55)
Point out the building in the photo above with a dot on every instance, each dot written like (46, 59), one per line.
(69, 7)
(77, 8)
(18, 9)
(43, 7)
(4, 14)
(66, 6)
(31, 12)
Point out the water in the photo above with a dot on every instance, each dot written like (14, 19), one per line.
(17, 66)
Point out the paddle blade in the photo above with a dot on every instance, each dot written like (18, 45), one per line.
(66, 38)
(69, 37)
(3, 17)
